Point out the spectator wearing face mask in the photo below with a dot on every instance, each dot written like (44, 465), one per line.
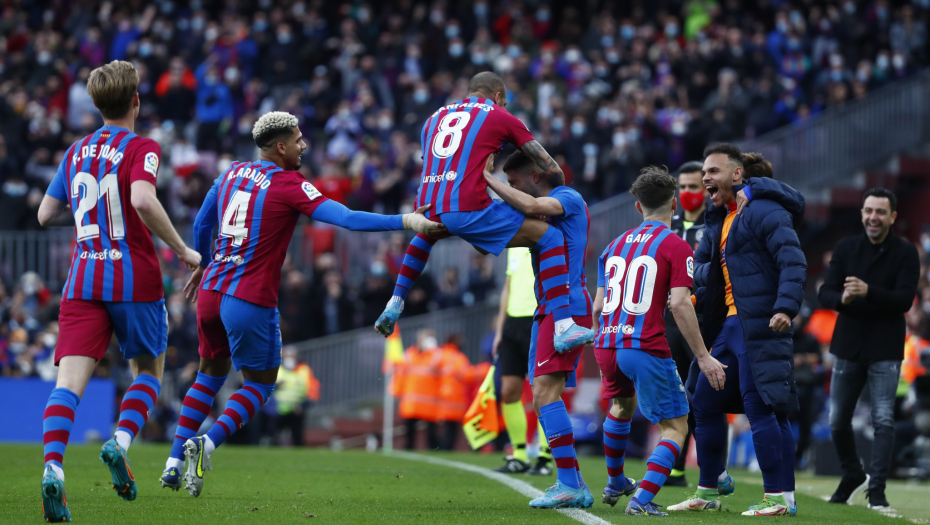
(214, 107)
(295, 392)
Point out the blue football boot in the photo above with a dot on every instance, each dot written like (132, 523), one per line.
(559, 496)
(635, 508)
(54, 504)
(612, 494)
(572, 337)
(726, 487)
(385, 324)
(114, 457)
(588, 497)
(171, 479)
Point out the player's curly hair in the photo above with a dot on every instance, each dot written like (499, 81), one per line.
(271, 126)
(754, 165)
(654, 188)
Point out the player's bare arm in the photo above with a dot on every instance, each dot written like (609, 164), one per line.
(153, 215)
(501, 316)
(53, 212)
(526, 204)
(547, 165)
(683, 310)
(598, 305)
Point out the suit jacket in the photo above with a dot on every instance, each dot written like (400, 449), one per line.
(871, 328)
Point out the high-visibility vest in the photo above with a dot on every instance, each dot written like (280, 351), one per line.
(294, 386)
(416, 383)
(910, 368)
(456, 375)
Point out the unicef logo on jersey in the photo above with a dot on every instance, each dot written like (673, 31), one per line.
(628, 329)
(113, 255)
(235, 259)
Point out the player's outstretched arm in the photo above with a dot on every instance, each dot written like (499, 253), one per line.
(683, 311)
(54, 212)
(522, 202)
(153, 215)
(332, 212)
(206, 219)
(548, 167)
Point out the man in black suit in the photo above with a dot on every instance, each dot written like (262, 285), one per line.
(871, 281)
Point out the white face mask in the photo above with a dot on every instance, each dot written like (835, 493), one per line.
(290, 363)
(429, 343)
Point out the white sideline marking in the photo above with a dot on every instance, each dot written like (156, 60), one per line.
(520, 486)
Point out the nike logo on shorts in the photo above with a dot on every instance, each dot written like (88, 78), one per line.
(544, 362)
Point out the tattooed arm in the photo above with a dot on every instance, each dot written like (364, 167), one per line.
(548, 168)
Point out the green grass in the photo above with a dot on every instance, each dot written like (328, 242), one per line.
(260, 485)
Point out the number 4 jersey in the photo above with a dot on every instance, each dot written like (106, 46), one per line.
(637, 271)
(456, 142)
(114, 257)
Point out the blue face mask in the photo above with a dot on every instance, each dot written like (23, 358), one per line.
(452, 31)
(260, 26)
(578, 129)
(557, 124)
(145, 50)
(420, 96)
(456, 50)
(481, 10)
(284, 38)
(628, 32)
(671, 30)
(197, 24)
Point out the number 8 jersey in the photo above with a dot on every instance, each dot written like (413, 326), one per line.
(114, 257)
(637, 271)
(456, 141)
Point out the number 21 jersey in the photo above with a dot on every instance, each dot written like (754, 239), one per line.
(456, 141)
(114, 257)
(637, 271)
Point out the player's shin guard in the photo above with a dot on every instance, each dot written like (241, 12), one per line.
(515, 419)
(57, 423)
(553, 273)
(240, 408)
(134, 411)
(196, 407)
(561, 439)
(616, 433)
(658, 467)
(414, 261)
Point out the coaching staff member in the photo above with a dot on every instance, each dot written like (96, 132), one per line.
(871, 281)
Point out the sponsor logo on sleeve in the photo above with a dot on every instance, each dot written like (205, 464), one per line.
(690, 264)
(312, 193)
(151, 163)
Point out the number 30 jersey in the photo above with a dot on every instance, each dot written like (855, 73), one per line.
(114, 257)
(456, 142)
(637, 271)
(256, 205)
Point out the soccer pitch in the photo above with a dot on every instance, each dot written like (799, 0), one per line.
(271, 485)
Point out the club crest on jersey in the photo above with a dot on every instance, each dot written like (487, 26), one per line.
(690, 265)
(311, 191)
(151, 163)
(628, 329)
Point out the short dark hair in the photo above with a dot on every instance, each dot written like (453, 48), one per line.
(881, 193)
(732, 152)
(654, 188)
(691, 167)
(519, 160)
(486, 83)
(755, 165)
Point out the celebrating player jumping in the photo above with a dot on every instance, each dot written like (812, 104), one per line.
(256, 204)
(456, 142)
(114, 284)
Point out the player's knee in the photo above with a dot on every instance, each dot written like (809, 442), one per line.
(623, 408)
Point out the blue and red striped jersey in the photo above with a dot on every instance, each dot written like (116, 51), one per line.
(114, 257)
(258, 204)
(574, 225)
(456, 142)
(637, 271)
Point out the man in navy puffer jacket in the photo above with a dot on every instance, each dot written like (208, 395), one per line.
(750, 274)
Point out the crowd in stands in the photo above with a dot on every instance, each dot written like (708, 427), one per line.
(606, 87)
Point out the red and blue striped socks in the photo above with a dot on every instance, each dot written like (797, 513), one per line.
(240, 408)
(134, 411)
(616, 433)
(194, 410)
(414, 261)
(658, 467)
(553, 275)
(57, 423)
(561, 437)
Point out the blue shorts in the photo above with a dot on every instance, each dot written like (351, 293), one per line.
(490, 229)
(659, 391)
(233, 327)
(86, 326)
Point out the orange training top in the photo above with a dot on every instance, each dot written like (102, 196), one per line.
(731, 304)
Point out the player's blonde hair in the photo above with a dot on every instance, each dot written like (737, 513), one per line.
(271, 125)
(113, 87)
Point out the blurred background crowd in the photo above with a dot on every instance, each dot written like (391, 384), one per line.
(606, 87)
